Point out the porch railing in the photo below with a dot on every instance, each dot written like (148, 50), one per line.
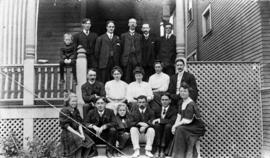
(47, 82)
(9, 89)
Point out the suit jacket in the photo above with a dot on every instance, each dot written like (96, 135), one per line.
(108, 118)
(105, 48)
(131, 49)
(170, 116)
(147, 117)
(187, 78)
(167, 50)
(149, 48)
(88, 42)
(123, 127)
(89, 91)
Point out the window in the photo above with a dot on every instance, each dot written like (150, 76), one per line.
(192, 56)
(189, 11)
(206, 21)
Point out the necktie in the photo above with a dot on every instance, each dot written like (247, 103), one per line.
(87, 33)
(164, 113)
(167, 36)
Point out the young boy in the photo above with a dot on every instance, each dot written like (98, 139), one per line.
(68, 57)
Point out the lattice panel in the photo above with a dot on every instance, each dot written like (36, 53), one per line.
(47, 129)
(12, 125)
(229, 99)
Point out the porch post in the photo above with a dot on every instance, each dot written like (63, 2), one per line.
(81, 68)
(30, 51)
(180, 28)
(29, 60)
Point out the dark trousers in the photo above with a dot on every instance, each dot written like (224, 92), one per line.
(105, 73)
(123, 138)
(155, 104)
(128, 73)
(169, 70)
(163, 135)
(91, 61)
(72, 65)
(109, 135)
(148, 71)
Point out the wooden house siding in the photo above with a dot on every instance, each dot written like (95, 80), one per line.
(265, 18)
(236, 32)
(240, 32)
(53, 22)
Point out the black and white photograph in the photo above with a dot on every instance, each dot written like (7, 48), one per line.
(134, 78)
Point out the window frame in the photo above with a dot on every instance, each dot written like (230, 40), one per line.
(205, 32)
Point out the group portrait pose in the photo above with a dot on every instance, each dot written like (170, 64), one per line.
(137, 94)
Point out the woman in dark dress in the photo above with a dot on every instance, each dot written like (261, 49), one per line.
(75, 143)
(123, 125)
(188, 126)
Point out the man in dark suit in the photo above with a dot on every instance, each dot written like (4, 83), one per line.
(102, 122)
(131, 50)
(167, 50)
(91, 90)
(148, 51)
(177, 79)
(107, 51)
(163, 125)
(87, 39)
(141, 121)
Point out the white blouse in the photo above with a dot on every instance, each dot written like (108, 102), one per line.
(116, 89)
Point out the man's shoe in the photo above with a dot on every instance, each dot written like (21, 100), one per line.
(109, 154)
(162, 155)
(136, 153)
(148, 153)
(156, 154)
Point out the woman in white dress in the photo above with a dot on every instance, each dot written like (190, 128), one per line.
(116, 89)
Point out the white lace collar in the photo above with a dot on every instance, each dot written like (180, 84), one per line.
(186, 102)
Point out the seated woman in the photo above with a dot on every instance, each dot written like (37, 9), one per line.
(123, 125)
(75, 142)
(115, 89)
(188, 126)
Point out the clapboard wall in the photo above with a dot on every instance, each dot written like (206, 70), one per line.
(265, 14)
(240, 32)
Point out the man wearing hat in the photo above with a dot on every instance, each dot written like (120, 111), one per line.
(138, 87)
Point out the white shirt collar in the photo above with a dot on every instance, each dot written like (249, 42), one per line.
(109, 34)
(91, 82)
(181, 73)
(142, 110)
(169, 35)
(85, 32)
(101, 113)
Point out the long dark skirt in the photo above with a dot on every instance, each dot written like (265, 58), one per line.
(185, 139)
(72, 143)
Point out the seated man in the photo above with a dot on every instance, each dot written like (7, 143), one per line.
(68, 57)
(102, 122)
(137, 88)
(91, 90)
(141, 119)
(163, 125)
(159, 83)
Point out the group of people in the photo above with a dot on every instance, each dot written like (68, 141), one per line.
(129, 50)
(158, 108)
